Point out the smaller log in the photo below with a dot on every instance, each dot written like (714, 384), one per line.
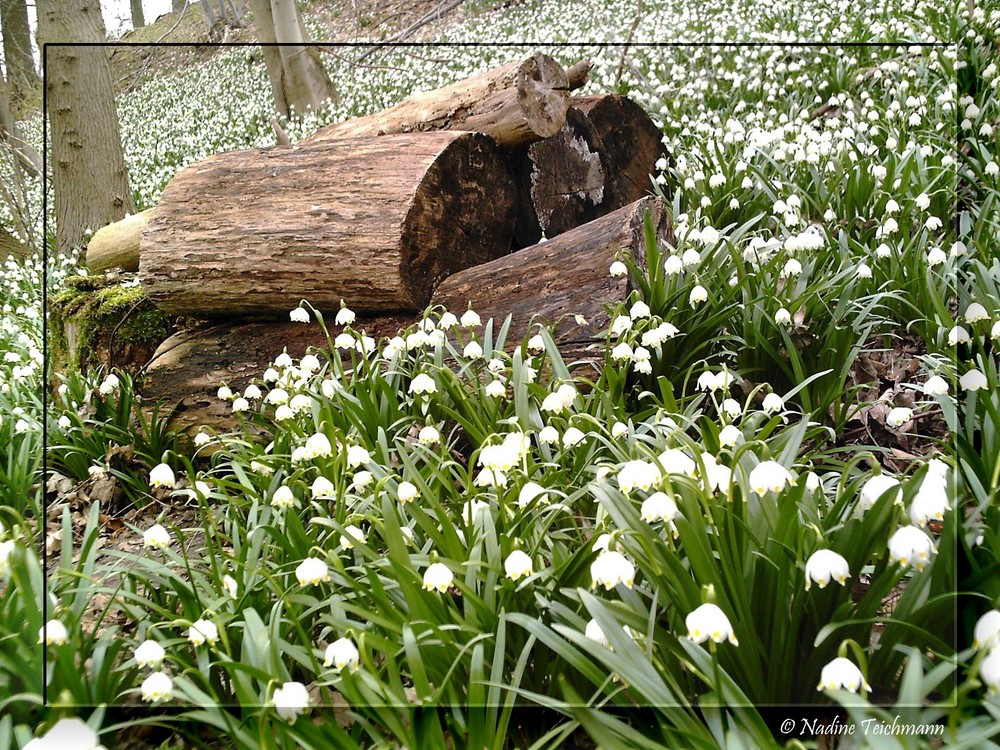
(559, 279)
(185, 372)
(117, 245)
(578, 74)
(516, 104)
(11, 246)
(630, 143)
(601, 160)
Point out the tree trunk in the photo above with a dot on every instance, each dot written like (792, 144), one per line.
(517, 104)
(560, 279)
(117, 245)
(89, 179)
(299, 82)
(560, 181)
(375, 222)
(138, 20)
(26, 157)
(21, 74)
(176, 6)
(601, 160)
(185, 372)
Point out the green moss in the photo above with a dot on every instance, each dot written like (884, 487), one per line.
(95, 317)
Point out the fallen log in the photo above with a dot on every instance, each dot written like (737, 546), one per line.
(516, 104)
(11, 246)
(375, 222)
(600, 160)
(630, 142)
(560, 181)
(555, 281)
(184, 374)
(117, 244)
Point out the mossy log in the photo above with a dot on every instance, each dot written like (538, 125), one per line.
(102, 322)
(555, 281)
(515, 105)
(185, 373)
(376, 222)
(600, 160)
(117, 245)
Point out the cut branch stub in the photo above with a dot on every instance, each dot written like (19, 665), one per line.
(377, 222)
(516, 104)
(117, 244)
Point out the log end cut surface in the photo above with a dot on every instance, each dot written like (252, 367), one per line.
(543, 93)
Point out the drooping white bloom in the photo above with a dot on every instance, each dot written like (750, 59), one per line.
(975, 312)
(67, 734)
(438, 577)
(361, 480)
(161, 475)
(156, 537)
(593, 632)
(240, 405)
(620, 325)
(529, 493)
(157, 687)
(931, 500)
(618, 429)
(472, 509)
(322, 489)
(203, 631)
(936, 386)
(698, 295)
(423, 383)
(958, 335)
(231, 587)
(773, 403)
(252, 391)
(149, 654)
(299, 315)
(351, 535)
(345, 316)
(842, 673)
(637, 475)
(730, 435)
(769, 476)
(472, 350)
(898, 416)
(782, 317)
(406, 491)
(610, 569)
(429, 435)
(357, 455)
(639, 310)
(973, 380)
(618, 269)
(53, 633)
(572, 436)
(518, 565)
(318, 446)
(283, 497)
(989, 671)
(495, 388)
(548, 435)
(536, 343)
(824, 566)
(658, 507)
(877, 485)
(312, 571)
(911, 546)
(6, 550)
(731, 408)
(676, 461)
(986, 634)
(290, 700)
(622, 351)
(709, 621)
(342, 653)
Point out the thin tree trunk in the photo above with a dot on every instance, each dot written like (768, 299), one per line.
(26, 156)
(177, 6)
(138, 19)
(306, 83)
(89, 179)
(272, 57)
(21, 74)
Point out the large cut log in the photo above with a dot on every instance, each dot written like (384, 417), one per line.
(600, 160)
(185, 372)
(375, 222)
(117, 244)
(562, 278)
(516, 104)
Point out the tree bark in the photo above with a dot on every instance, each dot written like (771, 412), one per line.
(601, 160)
(138, 19)
(89, 179)
(375, 222)
(26, 157)
(11, 246)
(516, 104)
(21, 74)
(185, 372)
(176, 6)
(560, 279)
(117, 245)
